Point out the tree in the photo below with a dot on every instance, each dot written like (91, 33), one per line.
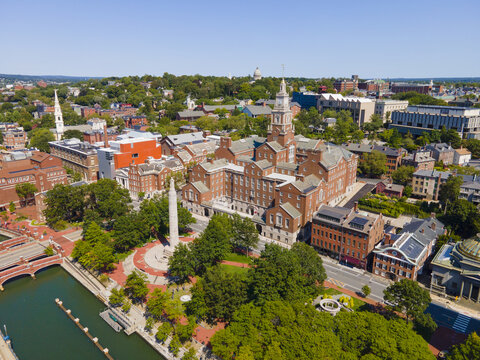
(293, 275)
(174, 345)
(129, 231)
(136, 286)
(375, 123)
(473, 145)
(450, 190)
(40, 139)
(164, 331)
(424, 325)
(462, 217)
(213, 244)
(190, 354)
(70, 134)
(11, 207)
(403, 175)
(282, 330)
(373, 164)
(408, 298)
(450, 137)
(470, 349)
(181, 264)
(156, 303)
(154, 213)
(26, 192)
(245, 234)
(366, 290)
(222, 293)
(117, 297)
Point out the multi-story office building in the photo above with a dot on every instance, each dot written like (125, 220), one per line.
(360, 108)
(403, 255)
(80, 157)
(384, 107)
(280, 181)
(346, 234)
(417, 119)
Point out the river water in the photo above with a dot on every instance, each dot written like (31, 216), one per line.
(40, 330)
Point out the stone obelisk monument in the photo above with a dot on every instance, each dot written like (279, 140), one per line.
(173, 215)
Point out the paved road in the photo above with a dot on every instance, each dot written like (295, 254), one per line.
(11, 257)
(354, 279)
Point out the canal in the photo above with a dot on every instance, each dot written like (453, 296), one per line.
(40, 330)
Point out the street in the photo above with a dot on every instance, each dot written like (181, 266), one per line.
(354, 279)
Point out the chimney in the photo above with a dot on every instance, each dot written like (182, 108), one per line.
(105, 134)
(355, 206)
(388, 239)
(432, 215)
(264, 104)
(433, 226)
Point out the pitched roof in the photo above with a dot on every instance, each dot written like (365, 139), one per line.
(287, 166)
(263, 164)
(275, 146)
(249, 143)
(210, 108)
(256, 110)
(201, 187)
(304, 143)
(462, 151)
(290, 209)
(190, 114)
(331, 155)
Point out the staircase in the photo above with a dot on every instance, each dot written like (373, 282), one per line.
(461, 323)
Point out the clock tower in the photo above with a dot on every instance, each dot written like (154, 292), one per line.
(58, 118)
(281, 128)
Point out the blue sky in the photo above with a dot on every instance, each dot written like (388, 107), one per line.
(371, 38)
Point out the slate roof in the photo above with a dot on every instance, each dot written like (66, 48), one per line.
(368, 148)
(216, 164)
(439, 147)
(304, 143)
(263, 164)
(287, 166)
(211, 108)
(275, 146)
(201, 187)
(331, 155)
(291, 210)
(246, 144)
(190, 114)
(256, 110)
(432, 173)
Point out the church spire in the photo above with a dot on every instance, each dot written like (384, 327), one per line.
(58, 118)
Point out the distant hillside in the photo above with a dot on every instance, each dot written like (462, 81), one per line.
(55, 78)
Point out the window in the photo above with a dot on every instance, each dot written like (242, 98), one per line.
(134, 156)
(287, 223)
(271, 219)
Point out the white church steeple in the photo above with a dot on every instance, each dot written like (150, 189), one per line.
(58, 118)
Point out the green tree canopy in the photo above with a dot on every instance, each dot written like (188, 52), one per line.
(136, 286)
(284, 330)
(40, 139)
(403, 175)
(295, 274)
(244, 232)
(408, 297)
(373, 164)
(470, 349)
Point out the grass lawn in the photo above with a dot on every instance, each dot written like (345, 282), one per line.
(234, 269)
(240, 258)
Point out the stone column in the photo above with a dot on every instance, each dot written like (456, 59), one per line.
(173, 215)
(470, 291)
(461, 289)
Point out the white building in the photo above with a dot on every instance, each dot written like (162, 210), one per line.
(360, 108)
(382, 107)
(462, 156)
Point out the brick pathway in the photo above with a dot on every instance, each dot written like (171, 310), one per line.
(234, 263)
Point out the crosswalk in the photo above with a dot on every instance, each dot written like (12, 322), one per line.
(336, 282)
(461, 323)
